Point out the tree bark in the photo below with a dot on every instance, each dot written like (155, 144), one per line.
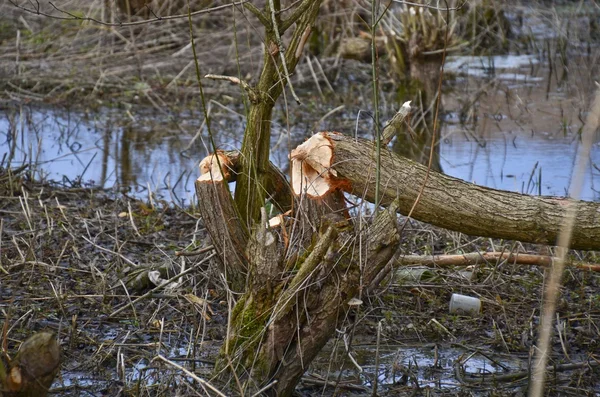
(250, 192)
(228, 233)
(286, 317)
(278, 189)
(453, 204)
(298, 288)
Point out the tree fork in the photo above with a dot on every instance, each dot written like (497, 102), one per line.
(250, 192)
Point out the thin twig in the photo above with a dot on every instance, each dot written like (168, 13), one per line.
(191, 375)
(252, 94)
(265, 388)
(195, 253)
(282, 51)
(72, 16)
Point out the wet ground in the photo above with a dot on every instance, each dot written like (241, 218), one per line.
(70, 255)
(510, 122)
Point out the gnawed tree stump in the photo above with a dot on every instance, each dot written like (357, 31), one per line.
(32, 371)
(220, 216)
(302, 273)
(222, 220)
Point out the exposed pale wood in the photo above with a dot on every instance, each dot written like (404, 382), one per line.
(395, 123)
(461, 206)
(311, 167)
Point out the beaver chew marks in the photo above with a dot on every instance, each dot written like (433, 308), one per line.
(210, 168)
(311, 167)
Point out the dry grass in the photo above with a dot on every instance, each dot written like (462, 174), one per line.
(56, 60)
(66, 254)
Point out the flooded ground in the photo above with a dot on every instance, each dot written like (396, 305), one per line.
(507, 125)
(509, 122)
(523, 134)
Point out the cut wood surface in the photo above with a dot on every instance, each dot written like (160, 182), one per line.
(458, 205)
(279, 190)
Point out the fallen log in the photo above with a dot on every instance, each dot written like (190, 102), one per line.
(451, 203)
(448, 202)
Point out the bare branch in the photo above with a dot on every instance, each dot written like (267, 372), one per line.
(395, 123)
(73, 17)
(258, 14)
(289, 21)
(252, 94)
(289, 7)
(282, 51)
(410, 3)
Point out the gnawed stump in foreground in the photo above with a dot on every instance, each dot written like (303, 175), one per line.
(301, 273)
(32, 371)
(304, 267)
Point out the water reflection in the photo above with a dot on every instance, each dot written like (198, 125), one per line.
(417, 147)
(100, 149)
(516, 132)
(515, 126)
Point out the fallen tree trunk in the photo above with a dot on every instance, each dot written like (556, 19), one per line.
(453, 204)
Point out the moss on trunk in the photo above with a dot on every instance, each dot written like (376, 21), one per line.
(250, 192)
